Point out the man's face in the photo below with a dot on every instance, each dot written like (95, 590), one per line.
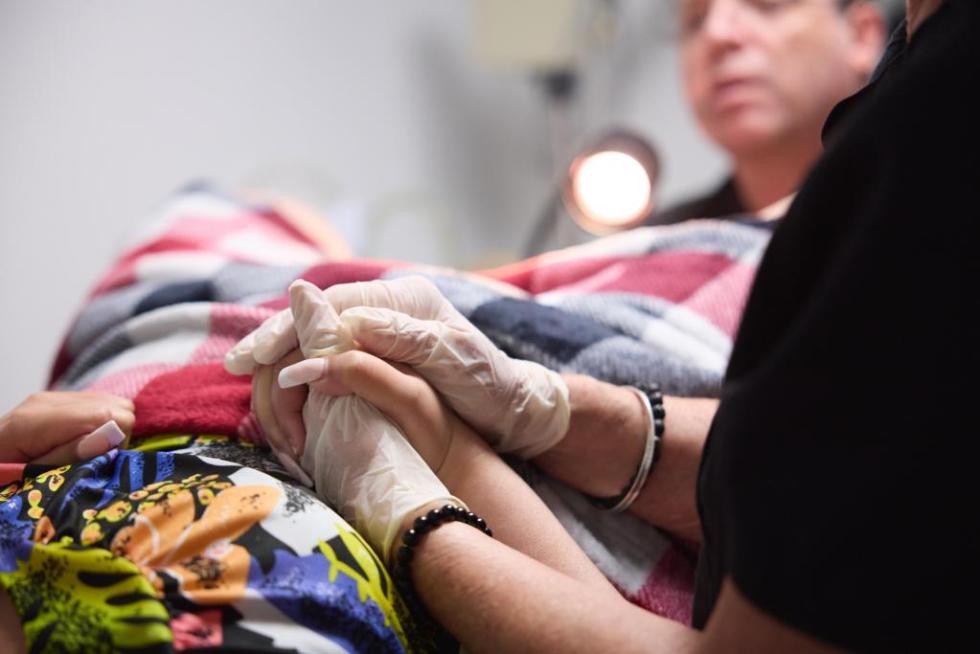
(759, 71)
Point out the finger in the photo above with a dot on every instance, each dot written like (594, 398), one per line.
(64, 453)
(262, 407)
(121, 411)
(308, 372)
(50, 399)
(317, 323)
(265, 345)
(93, 395)
(122, 408)
(36, 430)
(125, 418)
(414, 295)
(393, 335)
(108, 436)
(276, 337)
(99, 441)
(287, 406)
(405, 398)
(293, 468)
(239, 360)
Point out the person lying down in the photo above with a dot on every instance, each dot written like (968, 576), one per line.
(287, 572)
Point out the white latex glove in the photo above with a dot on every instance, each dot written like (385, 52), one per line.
(519, 406)
(359, 460)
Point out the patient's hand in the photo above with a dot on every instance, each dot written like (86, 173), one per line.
(398, 392)
(64, 427)
(279, 411)
(332, 368)
(518, 406)
(360, 460)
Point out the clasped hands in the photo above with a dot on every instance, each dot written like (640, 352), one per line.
(362, 403)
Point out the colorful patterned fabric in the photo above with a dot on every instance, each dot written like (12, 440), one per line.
(654, 304)
(187, 543)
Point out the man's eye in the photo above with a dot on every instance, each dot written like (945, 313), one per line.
(692, 15)
(771, 5)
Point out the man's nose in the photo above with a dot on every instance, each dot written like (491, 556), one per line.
(725, 23)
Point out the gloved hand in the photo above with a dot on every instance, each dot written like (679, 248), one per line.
(359, 460)
(518, 406)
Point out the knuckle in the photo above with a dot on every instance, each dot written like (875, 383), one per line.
(102, 415)
(14, 421)
(436, 333)
(353, 364)
(424, 285)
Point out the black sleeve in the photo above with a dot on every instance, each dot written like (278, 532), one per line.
(838, 488)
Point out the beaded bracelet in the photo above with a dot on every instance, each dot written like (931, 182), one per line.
(653, 401)
(411, 538)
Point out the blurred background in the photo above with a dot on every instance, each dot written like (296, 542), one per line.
(426, 131)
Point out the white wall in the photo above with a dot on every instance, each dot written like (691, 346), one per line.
(367, 109)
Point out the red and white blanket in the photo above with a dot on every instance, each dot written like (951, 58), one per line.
(653, 304)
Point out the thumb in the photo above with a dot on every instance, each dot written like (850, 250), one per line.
(317, 323)
(393, 335)
(268, 343)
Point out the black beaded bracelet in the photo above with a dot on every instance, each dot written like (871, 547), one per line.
(411, 538)
(655, 404)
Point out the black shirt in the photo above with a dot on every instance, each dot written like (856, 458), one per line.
(838, 487)
(720, 203)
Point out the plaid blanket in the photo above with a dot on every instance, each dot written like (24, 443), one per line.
(653, 304)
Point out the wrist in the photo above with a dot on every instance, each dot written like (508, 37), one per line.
(651, 398)
(408, 546)
(605, 438)
(407, 523)
(467, 453)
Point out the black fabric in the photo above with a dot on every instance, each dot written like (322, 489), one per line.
(175, 293)
(720, 203)
(894, 51)
(538, 327)
(837, 485)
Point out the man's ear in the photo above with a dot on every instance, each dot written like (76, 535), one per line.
(867, 36)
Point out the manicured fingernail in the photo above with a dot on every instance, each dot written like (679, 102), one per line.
(303, 372)
(293, 468)
(296, 437)
(101, 440)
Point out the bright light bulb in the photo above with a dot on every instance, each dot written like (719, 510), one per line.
(612, 188)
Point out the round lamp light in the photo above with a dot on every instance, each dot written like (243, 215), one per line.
(611, 187)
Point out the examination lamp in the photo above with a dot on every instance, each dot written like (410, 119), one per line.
(612, 186)
(607, 188)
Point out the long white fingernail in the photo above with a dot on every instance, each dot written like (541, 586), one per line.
(100, 440)
(304, 372)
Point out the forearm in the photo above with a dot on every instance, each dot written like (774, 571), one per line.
(602, 448)
(669, 498)
(518, 517)
(513, 604)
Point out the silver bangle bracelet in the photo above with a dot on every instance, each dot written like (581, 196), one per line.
(623, 501)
